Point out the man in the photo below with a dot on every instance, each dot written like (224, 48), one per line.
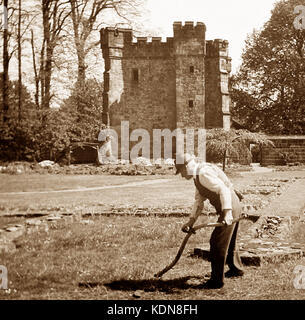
(212, 184)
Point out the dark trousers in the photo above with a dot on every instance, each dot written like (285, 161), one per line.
(223, 245)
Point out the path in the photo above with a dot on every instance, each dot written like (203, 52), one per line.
(131, 184)
(290, 203)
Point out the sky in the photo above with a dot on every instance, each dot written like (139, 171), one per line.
(230, 20)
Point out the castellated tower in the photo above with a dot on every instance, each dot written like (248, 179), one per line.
(189, 52)
(180, 83)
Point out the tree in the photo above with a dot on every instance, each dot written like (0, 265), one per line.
(30, 139)
(222, 143)
(5, 75)
(54, 15)
(33, 130)
(19, 60)
(35, 69)
(269, 89)
(84, 108)
(86, 20)
(16, 22)
(17, 136)
(51, 33)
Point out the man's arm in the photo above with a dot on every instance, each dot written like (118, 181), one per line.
(196, 211)
(227, 182)
(209, 178)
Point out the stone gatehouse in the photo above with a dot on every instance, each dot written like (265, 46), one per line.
(181, 83)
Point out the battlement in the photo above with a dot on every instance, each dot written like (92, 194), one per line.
(141, 41)
(189, 30)
(119, 39)
(150, 47)
(120, 43)
(217, 48)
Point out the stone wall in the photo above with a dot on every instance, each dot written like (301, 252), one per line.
(148, 102)
(288, 150)
(218, 67)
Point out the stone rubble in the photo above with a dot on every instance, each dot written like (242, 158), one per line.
(267, 241)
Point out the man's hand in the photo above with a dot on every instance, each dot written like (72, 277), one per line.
(228, 217)
(188, 226)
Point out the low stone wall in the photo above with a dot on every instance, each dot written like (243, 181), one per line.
(287, 150)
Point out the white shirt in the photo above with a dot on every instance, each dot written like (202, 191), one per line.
(214, 179)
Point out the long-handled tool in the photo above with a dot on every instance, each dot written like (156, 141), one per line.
(191, 231)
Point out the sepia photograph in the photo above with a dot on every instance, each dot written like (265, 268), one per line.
(152, 153)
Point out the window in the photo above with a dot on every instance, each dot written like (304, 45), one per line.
(135, 75)
(191, 103)
(192, 69)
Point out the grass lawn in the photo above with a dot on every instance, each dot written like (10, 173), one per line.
(73, 197)
(51, 182)
(112, 257)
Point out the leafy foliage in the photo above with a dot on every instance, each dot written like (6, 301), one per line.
(16, 137)
(43, 134)
(222, 144)
(84, 108)
(269, 89)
